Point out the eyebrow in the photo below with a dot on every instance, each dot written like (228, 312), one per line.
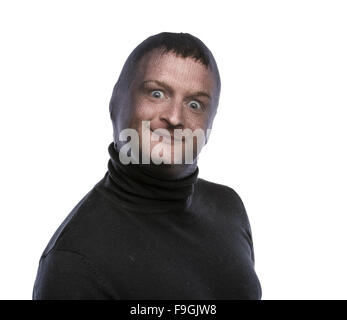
(170, 89)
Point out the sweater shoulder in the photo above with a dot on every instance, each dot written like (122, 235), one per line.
(223, 198)
(70, 229)
(219, 192)
(226, 201)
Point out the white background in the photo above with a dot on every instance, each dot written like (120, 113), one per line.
(279, 137)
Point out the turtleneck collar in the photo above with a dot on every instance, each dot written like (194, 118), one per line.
(138, 190)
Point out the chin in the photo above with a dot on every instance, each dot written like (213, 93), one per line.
(162, 153)
(168, 153)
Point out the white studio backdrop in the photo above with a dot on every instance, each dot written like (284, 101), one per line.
(279, 137)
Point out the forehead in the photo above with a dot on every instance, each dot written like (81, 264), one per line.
(180, 73)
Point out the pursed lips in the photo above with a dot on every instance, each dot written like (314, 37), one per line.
(171, 137)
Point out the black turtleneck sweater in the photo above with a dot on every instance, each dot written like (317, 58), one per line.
(134, 236)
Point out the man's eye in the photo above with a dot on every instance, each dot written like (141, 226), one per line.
(157, 94)
(194, 105)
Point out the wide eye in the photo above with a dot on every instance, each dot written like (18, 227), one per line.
(194, 105)
(157, 94)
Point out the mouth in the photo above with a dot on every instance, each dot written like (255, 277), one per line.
(166, 137)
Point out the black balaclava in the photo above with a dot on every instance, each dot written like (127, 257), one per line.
(184, 45)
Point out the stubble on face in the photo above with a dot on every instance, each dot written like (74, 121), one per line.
(166, 91)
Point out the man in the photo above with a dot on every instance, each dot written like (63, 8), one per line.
(151, 229)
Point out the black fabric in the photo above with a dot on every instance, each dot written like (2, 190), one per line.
(134, 236)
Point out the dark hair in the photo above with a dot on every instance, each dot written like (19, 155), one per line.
(183, 44)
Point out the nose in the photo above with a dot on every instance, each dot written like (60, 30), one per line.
(173, 114)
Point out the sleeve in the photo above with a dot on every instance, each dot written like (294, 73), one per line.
(244, 222)
(67, 275)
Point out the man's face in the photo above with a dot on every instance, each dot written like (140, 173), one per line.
(172, 93)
